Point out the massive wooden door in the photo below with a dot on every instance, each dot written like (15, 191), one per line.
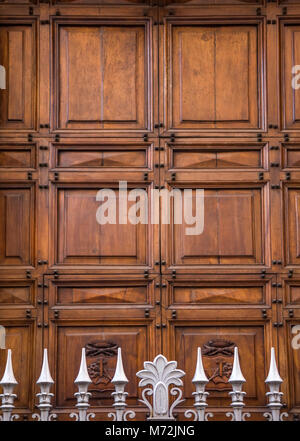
(195, 94)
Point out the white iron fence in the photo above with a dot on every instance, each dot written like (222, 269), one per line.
(155, 379)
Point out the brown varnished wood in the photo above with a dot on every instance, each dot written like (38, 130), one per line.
(202, 79)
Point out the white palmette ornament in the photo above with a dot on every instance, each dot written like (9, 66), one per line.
(274, 381)
(160, 374)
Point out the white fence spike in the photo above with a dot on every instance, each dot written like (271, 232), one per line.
(8, 376)
(82, 381)
(274, 396)
(199, 376)
(8, 383)
(45, 382)
(45, 376)
(200, 380)
(83, 376)
(119, 376)
(273, 375)
(119, 395)
(236, 374)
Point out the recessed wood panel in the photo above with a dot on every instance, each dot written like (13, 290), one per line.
(101, 343)
(17, 156)
(292, 226)
(217, 344)
(292, 293)
(101, 157)
(198, 158)
(103, 77)
(233, 229)
(16, 223)
(100, 293)
(214, 77)
(291, 156)
(17, 55)
(15, 293)
(213, 294)
(293, 359)
(82, 240)
(19, 338)
(290, 47)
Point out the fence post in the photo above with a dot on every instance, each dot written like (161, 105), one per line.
(200, 380)
(83, 380)
(8, 383)
(274, 381)
(45, 382)
(119, 381)
(237, 395)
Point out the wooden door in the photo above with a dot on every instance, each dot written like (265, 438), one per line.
(189, 96)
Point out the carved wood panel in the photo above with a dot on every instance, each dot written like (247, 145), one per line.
(103, 76)
(17, 225)
(200, 59)
(100, 340)
(18, 56)
(217, 342)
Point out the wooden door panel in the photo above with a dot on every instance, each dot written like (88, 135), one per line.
(18, 56)
(101, 341)
(14, 156)
(104, 2)
(93, 156)
(291, 361)
(17, 294)
(186, 156)
(20, 336)
(291, 156)
(201, 59)
(233, 233)
(102, 80)
(102, 295)
(17, 225)
(81, 240)
(290, 44)
(292, 242)
(218, 291)
(110, 160)
(217, 343)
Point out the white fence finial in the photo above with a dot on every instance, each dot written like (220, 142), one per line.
(119, 395)
(274, 381)
(82, 381)
(45, 376)
(237, 379)
(45, 382)
(8, 383)
(119, 376)
(236, 374)
(273, 375)
(200, 380)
